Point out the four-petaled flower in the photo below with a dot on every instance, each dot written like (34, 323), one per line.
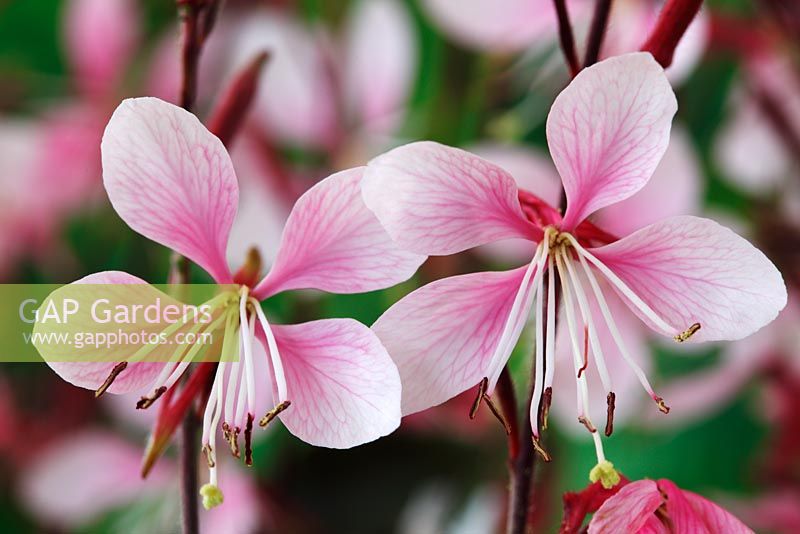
(172, 181)
(686, 277)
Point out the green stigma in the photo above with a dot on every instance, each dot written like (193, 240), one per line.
(605, 473)
(212, 496)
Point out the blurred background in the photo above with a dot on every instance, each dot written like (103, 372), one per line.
(345, 81)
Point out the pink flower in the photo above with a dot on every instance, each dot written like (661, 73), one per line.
(66, 486)
(517, 25)
(685, 277)
(648, 506)
(320, 87)
(173, 182)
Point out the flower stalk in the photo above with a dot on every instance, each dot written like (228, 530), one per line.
(672, 23)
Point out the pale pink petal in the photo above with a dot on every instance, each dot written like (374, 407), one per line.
(495, 25)
(714, 517)
(334, 243)
(438, 200)
(692, 270)
(534, 172)
(171, 180)
(86, 475)
(91, 374)
(531, 168)
(380, 61)
(344, 388)
(630, 394)
(608, 130)
(296, 98)
(100, 37)
(674, 189)
(443, 336)
(628, 510)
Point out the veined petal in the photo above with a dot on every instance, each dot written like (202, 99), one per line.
(334, 243)
(674, 189)
(693, 270)
(443, 336)
(343, 386)
(90, 374)
(628, 510)
(439, 200)
(381, 56)
(171, 180)
(608, 130)
(715, 518)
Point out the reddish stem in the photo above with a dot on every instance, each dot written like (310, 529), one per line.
(597, 32)
(672, 23)
(566, 37)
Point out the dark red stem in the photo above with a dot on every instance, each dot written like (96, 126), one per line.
(566, 37)
(597, 32)
(672, 23)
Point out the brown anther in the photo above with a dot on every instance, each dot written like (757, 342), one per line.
(662, 406)
(537, 446)
(611, 400)
(585, 350)
(231, 435)
(209, 458)
(273, 413)
(111, 377)
(544, 410)
(588, 424)
(145, 402)
(686, 334)
(497, 413)
(248, 441)
(482, 387)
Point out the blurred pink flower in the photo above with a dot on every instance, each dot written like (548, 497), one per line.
(749, 148)
(647, 506)
(685, 277)
(173, 182)
(318, 89)
(517, 25)
(71, 483)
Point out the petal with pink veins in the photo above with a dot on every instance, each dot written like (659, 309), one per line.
(674, 189)
(715, 518)
(608, 130)
(100, 37)
(343, 386)
(443, 336)
(693, 270)
(380, 61)
(171, 180)
(91, 374)
(438, 200)
(334, 243)
(628, 510)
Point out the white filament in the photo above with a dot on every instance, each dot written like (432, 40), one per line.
(612, 327)
(623, 288)
(277, 365)
(586, 315)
